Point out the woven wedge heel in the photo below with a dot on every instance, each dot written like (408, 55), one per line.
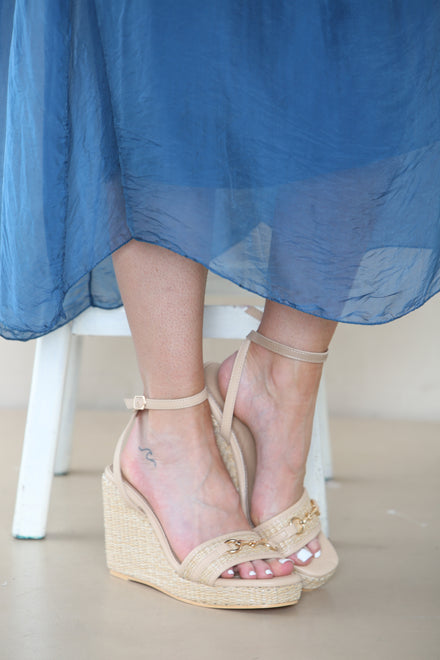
(137, 548)
(292, 529)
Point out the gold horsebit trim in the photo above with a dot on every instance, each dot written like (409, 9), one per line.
(300, 523)
(239, 544)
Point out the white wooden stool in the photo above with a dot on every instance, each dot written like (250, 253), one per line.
(51, 409)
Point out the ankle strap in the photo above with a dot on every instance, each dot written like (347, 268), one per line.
(140, 402)
(286, 351)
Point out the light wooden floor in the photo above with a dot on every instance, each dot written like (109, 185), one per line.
(57, 601)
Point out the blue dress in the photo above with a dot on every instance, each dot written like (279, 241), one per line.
(292, 147)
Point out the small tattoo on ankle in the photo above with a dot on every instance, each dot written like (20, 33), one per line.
(148, 455)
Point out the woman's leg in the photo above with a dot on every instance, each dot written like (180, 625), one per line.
(172, 458)
(276, 399)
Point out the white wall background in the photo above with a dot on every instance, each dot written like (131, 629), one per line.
(389, 371)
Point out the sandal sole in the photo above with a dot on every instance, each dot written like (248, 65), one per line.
(134, 553)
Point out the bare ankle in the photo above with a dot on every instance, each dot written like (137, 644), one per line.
(284, 378)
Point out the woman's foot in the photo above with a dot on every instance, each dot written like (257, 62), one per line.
(172, 459)
(276, 400)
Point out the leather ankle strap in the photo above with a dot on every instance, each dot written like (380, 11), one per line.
(140, 402)
(286, 351)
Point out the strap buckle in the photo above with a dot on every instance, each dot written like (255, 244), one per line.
(139, 402)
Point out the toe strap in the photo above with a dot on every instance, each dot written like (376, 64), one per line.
(205, 563)
(292, 529)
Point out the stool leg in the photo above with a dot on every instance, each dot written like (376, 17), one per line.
(40, 438)
(322, 411)
(64, 446)
(314, 481)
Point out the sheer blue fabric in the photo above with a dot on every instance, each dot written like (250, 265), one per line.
(292, 147)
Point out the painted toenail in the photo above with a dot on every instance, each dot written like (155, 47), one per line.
(284, 561)
(317, 554)
(252, 573)
(231, 572)
(268, 571)
(304, 554)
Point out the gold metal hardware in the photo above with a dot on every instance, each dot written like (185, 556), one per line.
(300, 523)
(239, 544)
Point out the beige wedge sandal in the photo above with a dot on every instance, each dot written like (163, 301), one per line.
(138, 549)
(292, 529)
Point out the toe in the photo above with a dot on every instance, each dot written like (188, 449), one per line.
(281, 567)
(302, 557)
(314, 547)
(260, 569)
(263, 569)
(247, 571)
